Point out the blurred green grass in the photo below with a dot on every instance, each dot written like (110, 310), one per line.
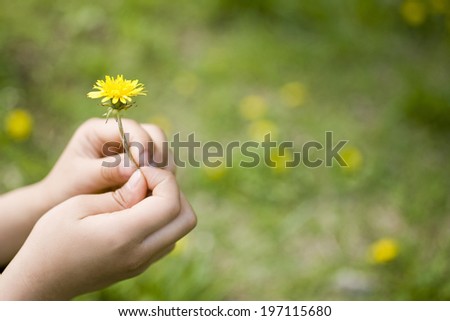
(373, 72)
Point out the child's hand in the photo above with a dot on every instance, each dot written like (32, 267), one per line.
(92, 241)
(80, 169)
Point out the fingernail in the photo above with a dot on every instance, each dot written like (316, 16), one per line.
(134, 180)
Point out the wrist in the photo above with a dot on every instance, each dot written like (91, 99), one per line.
(43, 199)
(49, 193)
(21, 209)
(21, 281)
(13, 287)
(25, 203)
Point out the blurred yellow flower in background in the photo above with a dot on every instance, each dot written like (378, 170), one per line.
(18, 124)
(163, 122)
(439, 6)
(253, 107)
(259, 128)
(281, 160)
(215, 173)
(186, 83)
(180, 247)
(383, 251)
(293, 94)
(414, 12)
(353, 158)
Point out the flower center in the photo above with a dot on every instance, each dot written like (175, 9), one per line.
(115, 92)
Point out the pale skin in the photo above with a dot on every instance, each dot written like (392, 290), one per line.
(86, 226)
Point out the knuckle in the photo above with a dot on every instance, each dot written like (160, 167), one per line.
(133, 264)
(120, 199)
(123, 249)
(77, 201)
(105, 173)
(86, 128)
(173, 209)
(133, 127)
(171, 165)
(160, 176)
(169, 176)
(115, 242)
(159, 137)
(191, 220)
(153, 128)
(130, 122)
(158, 131)
(91, 122)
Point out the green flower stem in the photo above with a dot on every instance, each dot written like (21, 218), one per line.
(126, 147)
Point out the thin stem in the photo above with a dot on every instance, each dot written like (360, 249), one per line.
(126, 147)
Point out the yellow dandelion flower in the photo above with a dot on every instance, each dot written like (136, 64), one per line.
(353, 158)
(116, 94)
(19, 124)
(259, 128)
(414, 12)
(253, 107)
(115, 90)
(293, 94)
(383, 251)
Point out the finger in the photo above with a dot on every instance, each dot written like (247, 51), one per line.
(134, 191)
(100, 139)
(128, 208)
(156, 210)
(111, 171)
(160, 154)
(145, 216)
(171, 232)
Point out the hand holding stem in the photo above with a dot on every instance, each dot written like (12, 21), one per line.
(116, 94)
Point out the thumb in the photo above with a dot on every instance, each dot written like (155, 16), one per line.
(134, 191)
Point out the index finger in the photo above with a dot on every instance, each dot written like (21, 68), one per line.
(160, 155)
(156, 210)
(94, 134)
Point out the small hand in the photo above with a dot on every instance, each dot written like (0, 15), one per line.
(92, 241)
(93, 161)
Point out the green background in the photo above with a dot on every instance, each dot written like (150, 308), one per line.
(373, 72)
